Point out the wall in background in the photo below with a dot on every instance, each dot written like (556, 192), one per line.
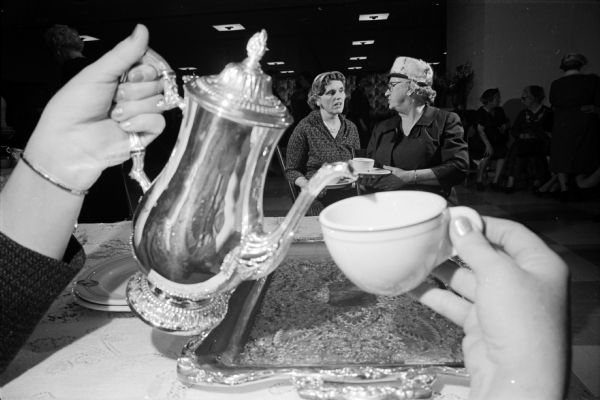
(512, 44)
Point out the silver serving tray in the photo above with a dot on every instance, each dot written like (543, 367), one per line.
(308, 325)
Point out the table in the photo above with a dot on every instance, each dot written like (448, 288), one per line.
(77, 353)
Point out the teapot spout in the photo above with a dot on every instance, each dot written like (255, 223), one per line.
(326, 175)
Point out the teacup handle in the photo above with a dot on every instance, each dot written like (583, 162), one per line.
(470, 214)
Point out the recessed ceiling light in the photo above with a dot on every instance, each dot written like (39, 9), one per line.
(358, 58)
(287, 72)
(275, 63)
(362, 42)
(434, 63)
(445, 52)
(373, 17)
(188, 68)
(354, 67)
(87, 38)
(229, 27)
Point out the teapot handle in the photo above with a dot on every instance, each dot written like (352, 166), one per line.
(171, 100)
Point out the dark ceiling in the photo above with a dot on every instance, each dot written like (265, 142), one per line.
(308, 35)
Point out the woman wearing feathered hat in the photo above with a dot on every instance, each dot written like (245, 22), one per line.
(422, 146)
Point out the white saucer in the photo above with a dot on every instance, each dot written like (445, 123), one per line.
(106, 283)
(376, 171)
(100, 307)
(342, 182)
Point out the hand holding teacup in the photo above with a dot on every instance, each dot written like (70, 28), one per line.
(387, 243)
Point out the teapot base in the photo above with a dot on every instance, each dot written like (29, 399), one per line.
(179, 316)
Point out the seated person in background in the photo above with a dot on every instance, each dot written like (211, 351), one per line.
(423, 146)
(531, 132)
(492, 126)
(324, 136)
(73, 143)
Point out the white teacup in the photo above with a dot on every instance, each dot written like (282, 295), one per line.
(362, 164)
(387, 243)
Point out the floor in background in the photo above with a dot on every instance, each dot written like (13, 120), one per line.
(571, 229)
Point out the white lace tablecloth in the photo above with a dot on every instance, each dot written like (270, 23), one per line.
(76, 353)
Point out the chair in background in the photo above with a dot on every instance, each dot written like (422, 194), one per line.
(280, 152)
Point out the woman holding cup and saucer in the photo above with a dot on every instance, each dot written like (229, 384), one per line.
(422, 146)
(324, 136)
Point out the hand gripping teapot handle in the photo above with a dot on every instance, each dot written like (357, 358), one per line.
(171, 100)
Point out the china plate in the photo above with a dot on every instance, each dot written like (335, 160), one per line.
(100, 307)
(106, 283)
(342, 182)
(376, 171)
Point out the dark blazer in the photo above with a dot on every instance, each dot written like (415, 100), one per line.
(436, 142)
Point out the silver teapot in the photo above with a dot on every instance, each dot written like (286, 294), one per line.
(198, 230)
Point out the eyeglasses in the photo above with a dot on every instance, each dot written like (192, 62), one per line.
(392, 85)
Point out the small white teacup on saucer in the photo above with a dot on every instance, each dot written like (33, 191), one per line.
(387, 243)
(361, 164)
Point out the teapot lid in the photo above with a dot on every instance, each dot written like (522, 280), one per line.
(242, 92)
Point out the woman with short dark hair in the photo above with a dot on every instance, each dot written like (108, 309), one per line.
(325, 135)
(531, 132)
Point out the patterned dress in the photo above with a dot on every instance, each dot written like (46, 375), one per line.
(311, 145)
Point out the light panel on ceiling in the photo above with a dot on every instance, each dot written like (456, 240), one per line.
(229, 27)
(275, 63)
(358, 58)
(362, 42)
(357, 67)
(373, 17)
(287, 72)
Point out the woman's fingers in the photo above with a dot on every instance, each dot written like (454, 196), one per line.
(136, 91)
(124, 110)
(151, 124)
(118, 60)
(141, 73)
(475, 249)
(443, 302)
(461, 280)
(525, 247)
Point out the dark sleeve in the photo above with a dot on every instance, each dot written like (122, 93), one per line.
(454, 154)
(372, 146)
(480, 117)
(296, 155)
(503, 116)
(517, 127)
(29, 284)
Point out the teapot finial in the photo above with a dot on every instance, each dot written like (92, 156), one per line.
(256, 47)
